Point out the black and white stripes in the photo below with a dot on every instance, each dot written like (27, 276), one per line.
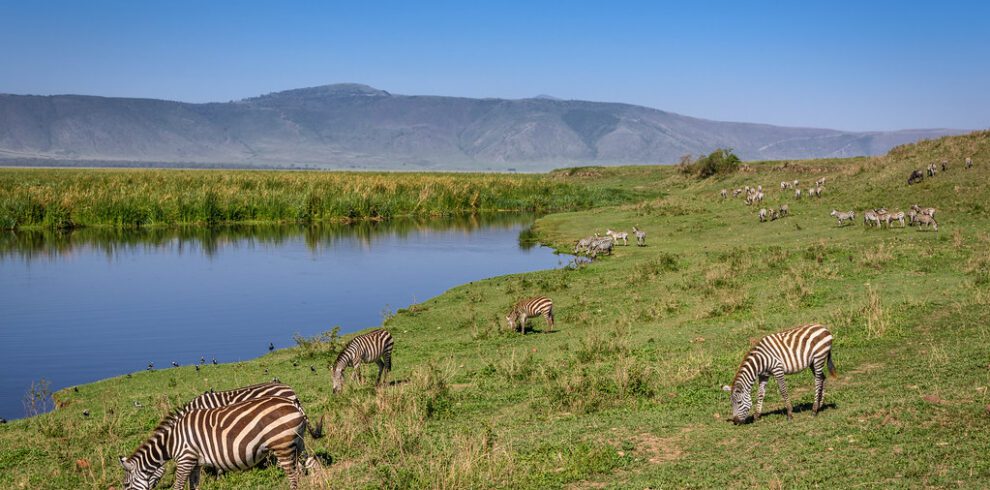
(373, 346)
(788, 352)
(233, 437)
(530, 308)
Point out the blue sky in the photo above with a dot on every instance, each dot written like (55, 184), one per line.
(844, 65)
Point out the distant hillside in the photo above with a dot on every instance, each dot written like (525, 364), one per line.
(356, 126)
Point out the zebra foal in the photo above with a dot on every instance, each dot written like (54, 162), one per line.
(375, 345)
(233, 437)
(787, 352)
(640, 237)
(530, 308)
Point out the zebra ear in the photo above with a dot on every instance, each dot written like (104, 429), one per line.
(123, 462)
(726, 388)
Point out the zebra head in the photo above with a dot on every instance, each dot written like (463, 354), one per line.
(511, 318)
(338, 378)
(138, 476)
(741, 401)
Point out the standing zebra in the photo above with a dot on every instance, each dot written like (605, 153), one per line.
(844, 216)
(797, 194)
(530, 308)
(375, 345)
(216, 399)
(969, 162)
(724, 194)
(233, 437)
(618, 235)
(762, 214)
(787, 352)
(640, 237)
(871, 218)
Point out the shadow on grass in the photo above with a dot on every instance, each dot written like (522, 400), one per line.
(803, 407)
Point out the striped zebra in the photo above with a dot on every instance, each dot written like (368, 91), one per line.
(584, 244)
(844, 216)
(525, 309)
(820, 182)
(921, 210)
(216, 399)
(787, 352)
(797, 194)
(601, 245)
(618, 235)
(898, 216)
(969, 162)
(927, 220)
(724, 193)
(871, 218)
(233, 437)
(762, 214)
(785, 185)
(785, 210)
(640, 237)
(375, 345)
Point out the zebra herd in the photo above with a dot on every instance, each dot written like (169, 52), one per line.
(597, 244)
(932, 170)
(752, 195)
(882, 218)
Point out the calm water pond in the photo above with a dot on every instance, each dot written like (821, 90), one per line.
(92, 304)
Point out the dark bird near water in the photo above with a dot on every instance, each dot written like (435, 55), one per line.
(197, 368)
(214, 361)
(202, 360)
(312, 369)
(151, 366)
(271, 347)
(128, 375)
(3, 420)
(175, 364)
(75, 389)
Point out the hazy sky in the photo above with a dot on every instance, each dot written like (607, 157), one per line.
(856, 65)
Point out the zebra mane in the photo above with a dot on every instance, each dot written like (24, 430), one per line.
(167, 423)
(741, 364)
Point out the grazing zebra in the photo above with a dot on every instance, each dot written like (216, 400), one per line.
(932, 170)
(795, 183)
(618, 235)
(216, 399)
(584, 244)
(601, 245)
(927, 220)
(640, 237)
(785, 210)
(921, 210)
(820, 182)
(871, 218)
(762, 214)
(375, 345)
(787, 352)
(530, 308)
(233, 437)
(916, 176)
(797, 194)
(736, 192)
(774, 215)
(969, 162)
(785, 185)
(724, 194)
(843, 216)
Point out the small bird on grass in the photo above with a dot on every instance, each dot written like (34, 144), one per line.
(175, 364)
(312, 369)
(75, 389)
(271, 347)
(137, 404)
(214, 361)
(197, 368)
(85, 413)
(151, 366)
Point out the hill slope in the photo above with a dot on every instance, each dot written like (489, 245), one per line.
(625, 393)
(350, 125)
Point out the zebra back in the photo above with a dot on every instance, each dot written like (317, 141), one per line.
(215, 399)
(535, 306)
(791, 350)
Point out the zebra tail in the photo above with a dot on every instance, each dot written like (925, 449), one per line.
(831, 366)
(316, 432)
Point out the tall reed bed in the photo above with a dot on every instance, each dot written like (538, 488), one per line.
(66, 198)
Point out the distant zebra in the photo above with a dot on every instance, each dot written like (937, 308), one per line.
(785, 185)
(724, 194)
(530, 308)
(584, 244)
(912, 217)
(871, 218)
(969, 162)
(926, 220)
(787, 352)
(820, 182)
(797, 194)
(795, 183)
(785, 210)
(640, 237)
(762, 214)
(844, 216)
(921, 210)
(375, 345)
(736, 192)
(898, 216)
(233, 437)
(618, 235)
(601, 245)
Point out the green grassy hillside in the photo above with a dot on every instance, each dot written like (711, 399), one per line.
(625, 393)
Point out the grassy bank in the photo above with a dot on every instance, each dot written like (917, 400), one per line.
(64, 198)
(625, 393)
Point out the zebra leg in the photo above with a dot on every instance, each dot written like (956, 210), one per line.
(184, 467)
(381, 369)
(819, 372)
(522, 323)
(549, 317)
(194, 477)
(759, 397)
(779, 375)
(357, 373)
(288, 460)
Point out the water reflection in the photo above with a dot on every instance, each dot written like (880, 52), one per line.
(46, 244)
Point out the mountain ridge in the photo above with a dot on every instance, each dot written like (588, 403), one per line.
(358, 126)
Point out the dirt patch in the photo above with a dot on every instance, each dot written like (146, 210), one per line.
(656, 449)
